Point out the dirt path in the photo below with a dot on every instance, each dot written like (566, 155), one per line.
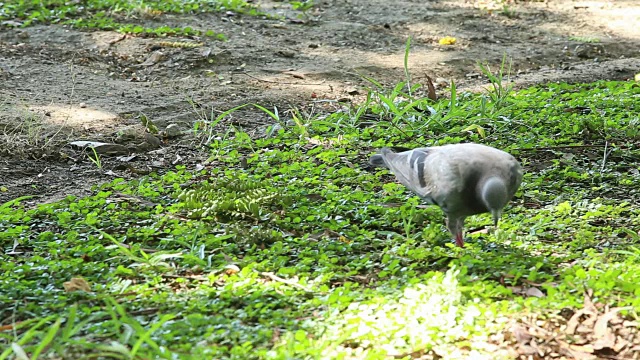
(58, 84)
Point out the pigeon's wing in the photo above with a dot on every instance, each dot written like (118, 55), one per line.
(424, 171)
(515, 177)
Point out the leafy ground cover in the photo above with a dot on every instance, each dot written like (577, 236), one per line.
(124, 16)
(290, 246)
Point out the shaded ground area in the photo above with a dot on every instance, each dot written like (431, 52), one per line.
(58, 84)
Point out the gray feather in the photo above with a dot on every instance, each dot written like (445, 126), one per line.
(462, 179)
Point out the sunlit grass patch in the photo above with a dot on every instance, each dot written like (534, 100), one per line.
(428, 318)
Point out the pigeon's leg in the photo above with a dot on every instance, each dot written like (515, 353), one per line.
(496, 216)
(455, 228)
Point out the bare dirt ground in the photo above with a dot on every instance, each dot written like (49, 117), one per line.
(59, 84)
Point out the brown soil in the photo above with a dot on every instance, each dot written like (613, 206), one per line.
(59, 84)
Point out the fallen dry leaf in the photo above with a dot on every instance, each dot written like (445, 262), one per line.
(521, 334)
(621, 343)
(588, 304)
(573, 323)
(527, 350)
(600, 328)
(231, 269)
(587, 349)
(606, 341)
(295, 74)
(154, 58)
(76, 284)
(592, 332)
(531, 291)
(481, 231)
(447, 40)
(431, 94)
(534, 292)
(579, 355)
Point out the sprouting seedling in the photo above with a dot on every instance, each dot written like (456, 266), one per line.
(500, 90)
(584, 39)
(95, 158)
(206, 125)
(148, 124)
(407, 222)
(303, 6)
(295, 116)
(156, 259)
(406, 64)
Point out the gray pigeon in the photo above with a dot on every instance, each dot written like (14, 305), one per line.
(462, 179)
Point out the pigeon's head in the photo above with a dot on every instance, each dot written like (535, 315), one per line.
(495, 197)
(378, 159)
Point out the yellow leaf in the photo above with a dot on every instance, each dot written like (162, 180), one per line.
(637, 77)
(231, 269)
(447, 40)
(76, 284)
(477, 128)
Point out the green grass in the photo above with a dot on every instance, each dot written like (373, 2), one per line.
(584, 39)
(306, 252)
(120, 15)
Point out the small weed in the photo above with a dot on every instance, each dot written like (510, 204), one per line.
(206, 128)
(149, 125)
(406, 64)
(95, 159)
(584, 39)
(508, 12)
(29, 134)
(106, 15)
(502, 89)
(303, 6)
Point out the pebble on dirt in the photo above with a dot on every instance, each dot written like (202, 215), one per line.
(172, 131)
(101, 148)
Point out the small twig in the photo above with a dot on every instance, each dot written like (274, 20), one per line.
(279, 82)
(130, 293)
(606, 154)
(190, 277)
(10, 326)
(324, 101)
(274, 277)
(149, 311)
(117, 40)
